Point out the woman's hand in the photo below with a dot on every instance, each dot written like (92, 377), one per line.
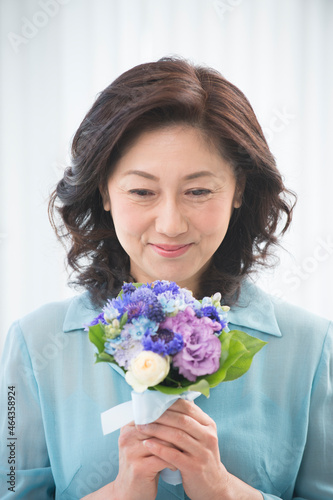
(183, 438)
(138, 469)
(193, 449)
(195, 452)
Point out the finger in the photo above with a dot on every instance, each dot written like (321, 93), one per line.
(132, 451)
(155, 463)
(178, 438)
(175, 458)
(177, 421)
(161, 443)
(191, 409)
(195, 423)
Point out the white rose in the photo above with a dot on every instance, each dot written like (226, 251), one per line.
(146, 370)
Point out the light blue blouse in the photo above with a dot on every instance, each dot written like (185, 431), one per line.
(274, 424)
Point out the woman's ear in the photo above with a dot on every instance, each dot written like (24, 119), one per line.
(240, 187)
(105, 198)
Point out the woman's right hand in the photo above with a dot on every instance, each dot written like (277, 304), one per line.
(138, 469)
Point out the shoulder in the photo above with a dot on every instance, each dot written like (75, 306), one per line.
(54, 318)
(293, 319)
(295, 336)
(260, 311)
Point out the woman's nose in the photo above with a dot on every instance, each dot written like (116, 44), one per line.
(170, 220)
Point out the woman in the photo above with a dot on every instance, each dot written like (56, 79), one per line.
(171, 178)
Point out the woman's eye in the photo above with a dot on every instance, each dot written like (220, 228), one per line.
(141, 192)
(200, 192)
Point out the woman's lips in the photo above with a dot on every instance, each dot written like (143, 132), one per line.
(170, 250)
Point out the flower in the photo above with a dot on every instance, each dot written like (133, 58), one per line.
(110, 312)
(163, 342)
(128, 288)
(144, 303)
(126, 351)
(155, 328)
(99, 319)
(111, 345)
(202, 349)
(147, 370)
(139, 326)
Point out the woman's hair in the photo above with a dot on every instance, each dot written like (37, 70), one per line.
(150, 96)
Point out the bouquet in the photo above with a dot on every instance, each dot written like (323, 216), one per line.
(165, 340)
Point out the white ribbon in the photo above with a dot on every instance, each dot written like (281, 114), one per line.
(144, 408)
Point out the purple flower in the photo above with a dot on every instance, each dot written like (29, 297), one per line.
(163, 342)
(125, 351)
(211, 312)
(95, 321)
(202, 349)
(115, 308)
(165, 286)
(128, 288)
(136, 309)
(145, 303)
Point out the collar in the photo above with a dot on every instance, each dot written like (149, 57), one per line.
(80, 312)
(259, 316)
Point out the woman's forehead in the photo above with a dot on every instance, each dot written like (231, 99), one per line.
(176, 148)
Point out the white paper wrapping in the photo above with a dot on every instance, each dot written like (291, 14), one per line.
(144, 408)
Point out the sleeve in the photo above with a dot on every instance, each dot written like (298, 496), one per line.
(24, 463)
(315, 477)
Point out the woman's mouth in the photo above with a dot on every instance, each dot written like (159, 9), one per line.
(170, 250)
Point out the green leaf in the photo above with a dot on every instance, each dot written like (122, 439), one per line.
(138, 284)
(243, 363)
(225, 342)
(201, 386)
(104, 356)
(170, 390)
(236, 350)
(96, 336)
(123, 320)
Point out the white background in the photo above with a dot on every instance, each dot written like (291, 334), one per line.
(56, 55)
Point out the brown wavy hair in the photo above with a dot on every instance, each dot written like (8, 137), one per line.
(147, 97)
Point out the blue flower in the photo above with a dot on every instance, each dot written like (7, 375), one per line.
(144, 302)
(136, 309)
(121, 303)
(111, 311)
(111, 345)
(212, 312)
(164, 342)
(165, 286)
(139, 326)
(128, 288)
(99, 319)
(172, 303)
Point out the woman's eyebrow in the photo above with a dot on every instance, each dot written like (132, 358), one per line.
(195, 175)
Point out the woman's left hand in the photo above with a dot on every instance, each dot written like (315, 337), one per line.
(195, 450)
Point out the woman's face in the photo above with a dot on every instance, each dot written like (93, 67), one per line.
(171, 197)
